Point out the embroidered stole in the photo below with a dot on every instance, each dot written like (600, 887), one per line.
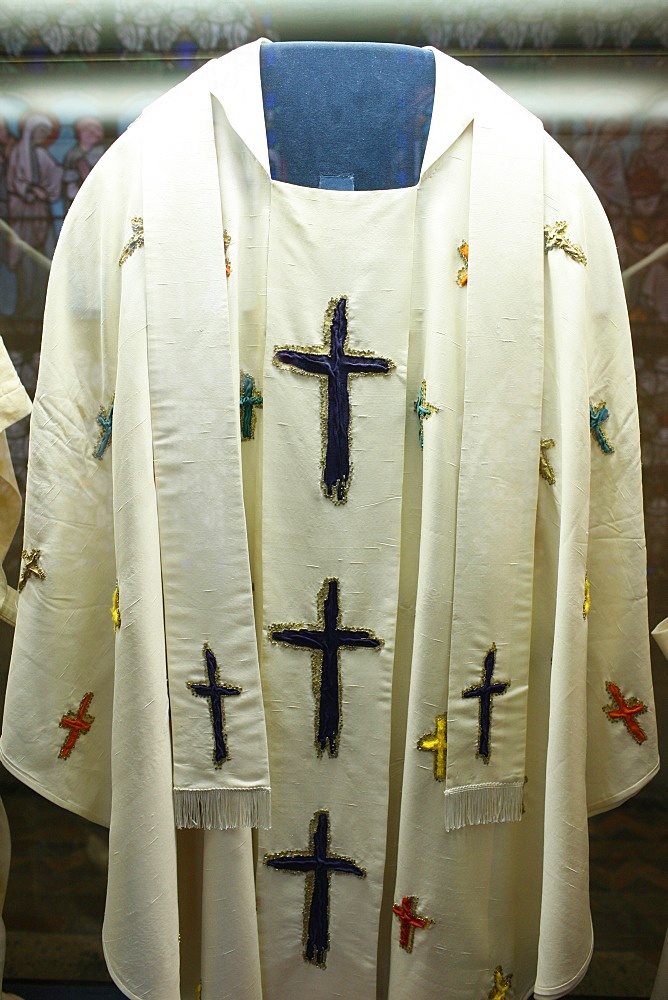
(498, 478)
(221, 776)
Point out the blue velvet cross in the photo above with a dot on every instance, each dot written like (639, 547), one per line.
(325, 639)
(318, 866)
(485, 692)
(334, 365)
(597, 414)
(215, 691)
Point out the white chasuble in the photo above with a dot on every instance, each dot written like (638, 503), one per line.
(342, 624)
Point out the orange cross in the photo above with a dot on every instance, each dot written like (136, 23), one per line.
(625, 710)
(409, 920)
(78, 725)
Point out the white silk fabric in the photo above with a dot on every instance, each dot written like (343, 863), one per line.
(444, 552)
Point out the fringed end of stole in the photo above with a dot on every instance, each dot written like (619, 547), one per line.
(222, 808)
(491, 802)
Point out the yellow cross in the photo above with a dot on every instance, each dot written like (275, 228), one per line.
(501, 984)
(31, 560)
(115, 609)
(437, 744)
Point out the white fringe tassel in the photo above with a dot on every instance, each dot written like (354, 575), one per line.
(491, 802)
(222, 808)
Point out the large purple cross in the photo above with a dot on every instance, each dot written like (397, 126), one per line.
(325, 639)
(334, 365)
(318, 866)
(485, 691)
(215, 691)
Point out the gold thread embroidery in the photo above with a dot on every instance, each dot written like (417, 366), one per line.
(214, 692)
(556, 239)
(115, 609)
(463, 272)
(136, 240)
(249, 399)
(546, 470)
(501, 985)
(486, 692)
(597, 415)
(625, 710)
(227, 239)
(325, 349)
(78, 723)
(315, 952)
(105, 420)
(331, 741)
(437, 744)
(423, 409)
(409, 920)
(31, 560)
(586, 604)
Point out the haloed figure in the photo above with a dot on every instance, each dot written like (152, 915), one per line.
(34, 182)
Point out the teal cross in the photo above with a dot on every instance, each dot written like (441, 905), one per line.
(423, 410)
(247, 402)
(104, 419)
(597, 414)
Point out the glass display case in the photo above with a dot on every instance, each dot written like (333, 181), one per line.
(73, 78)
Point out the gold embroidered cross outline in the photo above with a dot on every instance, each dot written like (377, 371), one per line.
(556, 239)
(136, 240)
(625, 710)
(325, 639)
(436, 743)
(409, 920)
(105, 419)
(463, 272)
(485, 691)
(334, 364)
(214, 692)
(248, 401)
(31, 560)
(227, 239)
(318, 864)
(501, 985)
(545, 469)
(597, 415)
(78, 724)
(423, 410)
(115, 609)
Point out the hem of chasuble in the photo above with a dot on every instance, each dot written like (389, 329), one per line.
(49, 794)
(116, 979)
(554, 992)
(612, 801)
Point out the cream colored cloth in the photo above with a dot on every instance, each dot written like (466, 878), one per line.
(14, 404)
(440, 556)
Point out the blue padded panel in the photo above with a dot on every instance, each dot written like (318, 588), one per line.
(335, 110)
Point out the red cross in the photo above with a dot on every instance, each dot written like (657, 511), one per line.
(625, 710)
(78, 725)
(409, 920)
